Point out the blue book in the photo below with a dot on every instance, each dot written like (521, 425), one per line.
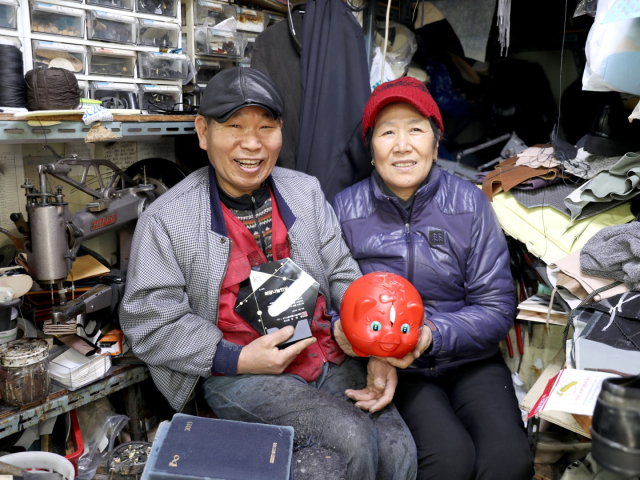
(191, 448)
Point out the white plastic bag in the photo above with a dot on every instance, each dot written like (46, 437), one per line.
(401, 44)
(613, 49)
(376, 70)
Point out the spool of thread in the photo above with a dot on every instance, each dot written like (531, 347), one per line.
(52, 89)
(12, 84)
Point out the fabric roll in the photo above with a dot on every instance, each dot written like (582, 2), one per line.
(614, 253)
(587, 165)
(507, 175)
(536, 183)
(554, 196)
(620, 182)
(570, 267)
(549, 234)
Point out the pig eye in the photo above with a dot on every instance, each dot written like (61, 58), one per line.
(405, 328)
(375, 326)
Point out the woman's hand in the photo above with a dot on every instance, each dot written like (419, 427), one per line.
(341, 339)
(423, 343)
(382, 380)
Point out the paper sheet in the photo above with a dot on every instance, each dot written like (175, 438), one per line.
(86, 267)
(84, 151)
(163, 147)
(123, 154)
(576, 391)
(11, 177)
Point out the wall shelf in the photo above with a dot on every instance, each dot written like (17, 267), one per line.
(72, 128)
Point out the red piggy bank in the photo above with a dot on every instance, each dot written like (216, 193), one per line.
(381, 315)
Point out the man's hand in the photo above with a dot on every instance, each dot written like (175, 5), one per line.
(262, 356)
(423, 343)
(341, 339)
(382, 380)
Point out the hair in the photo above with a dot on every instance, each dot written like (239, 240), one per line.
(437, 133)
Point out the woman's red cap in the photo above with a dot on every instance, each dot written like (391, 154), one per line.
(404, 89)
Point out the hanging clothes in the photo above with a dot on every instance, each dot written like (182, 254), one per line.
(277, 54)
(335, 90)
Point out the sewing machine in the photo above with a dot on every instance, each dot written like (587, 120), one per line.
(53, 235)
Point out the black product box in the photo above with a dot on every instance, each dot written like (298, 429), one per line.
(278, 294)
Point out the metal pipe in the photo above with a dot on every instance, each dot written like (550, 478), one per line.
(468, 151)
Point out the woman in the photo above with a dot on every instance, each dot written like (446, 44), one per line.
(440, 233)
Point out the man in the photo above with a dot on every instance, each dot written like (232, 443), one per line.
(196, 243)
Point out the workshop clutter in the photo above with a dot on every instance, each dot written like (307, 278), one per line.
(108, 40)
(112, 62)
(9, 14)
(111, 27)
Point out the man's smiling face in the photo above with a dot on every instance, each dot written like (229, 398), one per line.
(243, 150)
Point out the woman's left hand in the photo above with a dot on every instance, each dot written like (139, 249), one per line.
(423, 343)
(382, 380)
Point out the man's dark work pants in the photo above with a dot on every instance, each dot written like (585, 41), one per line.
(375, 446)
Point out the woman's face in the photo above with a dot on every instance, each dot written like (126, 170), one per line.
(403, 147)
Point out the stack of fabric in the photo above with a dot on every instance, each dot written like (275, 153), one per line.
(554, 204)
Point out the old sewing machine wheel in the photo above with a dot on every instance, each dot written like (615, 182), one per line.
(162, 173)
(129, 458)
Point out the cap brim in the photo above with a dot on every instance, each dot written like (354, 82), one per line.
(227, 115)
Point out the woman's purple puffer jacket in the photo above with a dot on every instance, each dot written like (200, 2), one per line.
(451, 248)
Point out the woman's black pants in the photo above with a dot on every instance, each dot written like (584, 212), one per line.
(466, 423)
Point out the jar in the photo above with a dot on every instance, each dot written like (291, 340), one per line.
(24, 371)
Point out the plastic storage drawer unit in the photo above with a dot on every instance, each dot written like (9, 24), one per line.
(248, 49)
(111, 27)
(250, 20)
(115, 95)
(158, 34)
(219, 43)
(207, 69)
(159, 98)
(83, 85)
(60, 55)
(119, 4)
(166, 8)
(212, 13)
(57, 20)
(112, 62)
(168, 66)
(9, 14)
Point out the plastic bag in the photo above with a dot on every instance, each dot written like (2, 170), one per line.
(401, 45)
(375, 78)
(99, 426)
(586, 7)
(613, 49)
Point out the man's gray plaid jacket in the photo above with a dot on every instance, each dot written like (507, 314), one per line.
(179, 258)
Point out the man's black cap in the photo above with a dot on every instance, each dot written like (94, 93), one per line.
(239, 87)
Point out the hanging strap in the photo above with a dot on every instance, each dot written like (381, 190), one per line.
(586, 300)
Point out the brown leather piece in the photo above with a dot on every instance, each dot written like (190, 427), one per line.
(507, 175)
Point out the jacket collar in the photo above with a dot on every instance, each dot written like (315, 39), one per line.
(217, 218)
(423, 195)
